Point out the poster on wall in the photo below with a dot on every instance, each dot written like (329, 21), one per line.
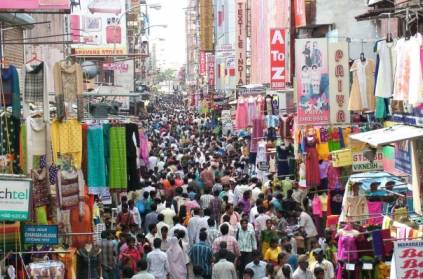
(99, 27)
(339, 83)
(277, 59)
(312, 81)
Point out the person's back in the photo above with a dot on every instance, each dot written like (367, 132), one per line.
(143, 274)
(224, 269)
(158, 264)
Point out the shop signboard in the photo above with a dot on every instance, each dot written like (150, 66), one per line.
(121, 67)
(312, 81)
(277, 59)
(35, 5)
(300, 14)
(241, 41)
(98, 28)
(203, 63)
(342, 158)
(15, 195)
(40, 234)
(206, 25)
(339, 83)
(362, 164)
(408, 257)
(210, 70)
(403, 156)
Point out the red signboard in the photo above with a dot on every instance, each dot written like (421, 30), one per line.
(300, 14)
(277, 59)
(210, 69)
(34, 5)
(203, 62)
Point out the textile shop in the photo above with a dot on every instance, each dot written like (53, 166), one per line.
(69, 159)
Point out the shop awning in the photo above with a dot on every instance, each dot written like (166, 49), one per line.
(389, 135)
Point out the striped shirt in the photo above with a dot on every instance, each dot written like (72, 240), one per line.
(201, 255)
(246, 240)
(232, 244)
(205, 200)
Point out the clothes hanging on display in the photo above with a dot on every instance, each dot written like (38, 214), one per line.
(88, 264)
(9, 143)
(70, 187)
(144, 152)
(10, 95)
(117, 164)
(68, 85)
(66, 138)
(81, 220)
(252, 110)
(408, 86)
(282, 162)
(384, 86)
(241, 116)
(96, 166)
(258, 133)
(132, 145)
(40, 187)
(362, 89)
(35, 139)
(34, 83)
(312, 162)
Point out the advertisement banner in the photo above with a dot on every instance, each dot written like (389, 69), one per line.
(100, 27)
(38, 5)
(360, 163)
(342, 158)
(403, 156)
(40, 234)
(206, 25)
(121, 67)
(210, 70)
(300, 14)
(408, 255)
(241, 41)
(277, 59)
(312, 81)
(15, 195)
(339, 83)
(203, 63)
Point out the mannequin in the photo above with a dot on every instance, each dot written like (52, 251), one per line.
(357, 207)
(312, 160)
(347, 250)
(88, 262)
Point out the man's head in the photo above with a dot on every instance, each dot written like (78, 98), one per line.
(164, 230)
(152, 228)
(124, 207)
(160, 217)
(211, 222)
(319, 273)
(224, 229)
(256, 257)
(157, 243)
(248, 274)
(203, 236)
(244, 224)
(303, 262)
(390, 185)
(142, 265)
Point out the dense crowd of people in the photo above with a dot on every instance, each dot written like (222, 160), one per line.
(200, 211)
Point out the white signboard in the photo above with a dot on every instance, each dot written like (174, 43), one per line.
(362, 164)
(409, 259)
(15, 195)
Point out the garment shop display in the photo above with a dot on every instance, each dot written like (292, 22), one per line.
(144, 149)
(34, 83)
(40, 187)
(10, 92)
(68, 85)
(70, 188)
(88, 263)
(362, 89)
(36, 136)
(9, 144)
(241, 117)
(312, 162)
(132, 145)
(66, 139)
(96, 166)
(118, 179)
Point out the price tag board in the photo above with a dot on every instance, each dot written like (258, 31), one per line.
(367, 266)
(350, 267)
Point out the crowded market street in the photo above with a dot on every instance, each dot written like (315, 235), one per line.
(211, 139)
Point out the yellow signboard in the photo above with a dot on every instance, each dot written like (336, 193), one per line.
(342, 158)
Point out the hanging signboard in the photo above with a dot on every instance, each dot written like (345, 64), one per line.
(99, 29)
(277, 59)
(408, 258)
(40, 234)
(403, 156)
(342, 158)
(312, 81)
(206, 25)
(361, 164)
(59, 6)
(210, 71)
(300, 14)
(203, 63)
(241, 41)
(15, 195)
(339, 83)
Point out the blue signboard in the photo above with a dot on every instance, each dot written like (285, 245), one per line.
(40, 234)
(403, 156)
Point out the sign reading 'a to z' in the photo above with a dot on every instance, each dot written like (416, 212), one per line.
(277, 59)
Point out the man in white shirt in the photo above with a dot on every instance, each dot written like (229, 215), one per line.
(158, 264)
(135, 213)
(224, 269)
(143, 274)
(178, 227)
(260, 221)
(168, 214)
(326, 265)
(239, 192)
(194, 226)
(302, 272)
(152, 162)
(306, 223)
(258, 266)
(160, 225)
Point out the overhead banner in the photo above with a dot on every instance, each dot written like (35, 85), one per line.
(15, 195)
(59, 6)
(41, 234)
(339, 83)
(203, 63)
(403, 156)
(99, 29)
(300, 14)
(408, 259)
(206, 25)
(312, 81)
(277, 59)
(241, 41)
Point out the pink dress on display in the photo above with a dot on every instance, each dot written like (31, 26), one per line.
(312, 163)
(241, 117)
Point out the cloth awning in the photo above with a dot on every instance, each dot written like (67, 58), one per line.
(389, 135)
